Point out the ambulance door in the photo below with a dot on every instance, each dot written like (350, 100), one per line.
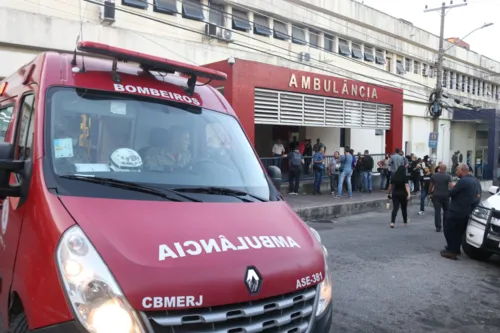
(12, 215)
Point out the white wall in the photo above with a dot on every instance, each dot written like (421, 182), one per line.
(362, 139)
(329, 136)
(463, 138)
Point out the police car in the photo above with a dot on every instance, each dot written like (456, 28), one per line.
(482, 237)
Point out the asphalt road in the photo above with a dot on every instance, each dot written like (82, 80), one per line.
(394, 280)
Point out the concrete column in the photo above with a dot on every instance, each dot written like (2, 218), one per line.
(228, 19)
(289, 29)
(205, 8)
(321, 40)
(336, 44)
(250, 19)
(306, 34)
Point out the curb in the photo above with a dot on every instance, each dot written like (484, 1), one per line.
(325, 213)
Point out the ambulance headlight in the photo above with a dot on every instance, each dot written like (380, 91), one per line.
(325, 287)
(95, 297)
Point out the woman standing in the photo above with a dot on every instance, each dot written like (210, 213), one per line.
(399, 192)
(426, 183)
(383, 168)
(318, 167)
(333, 172)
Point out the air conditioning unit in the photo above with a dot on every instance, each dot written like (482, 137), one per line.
(220, 33)
(108, 12)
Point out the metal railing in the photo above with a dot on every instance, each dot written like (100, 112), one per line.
(307, 171)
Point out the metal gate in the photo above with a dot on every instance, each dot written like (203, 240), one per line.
(286, 108)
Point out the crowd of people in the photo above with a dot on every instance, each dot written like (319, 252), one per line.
(402, 176)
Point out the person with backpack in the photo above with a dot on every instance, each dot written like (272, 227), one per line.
(295, 163)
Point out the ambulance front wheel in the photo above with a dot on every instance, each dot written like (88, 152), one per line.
(19, 324)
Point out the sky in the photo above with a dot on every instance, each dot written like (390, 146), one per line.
(459, 21)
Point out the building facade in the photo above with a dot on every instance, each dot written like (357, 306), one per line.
(306, 40)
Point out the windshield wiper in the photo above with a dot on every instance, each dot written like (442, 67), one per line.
(163, 193)
(242, 195)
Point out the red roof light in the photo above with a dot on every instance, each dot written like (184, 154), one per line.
(150, 62)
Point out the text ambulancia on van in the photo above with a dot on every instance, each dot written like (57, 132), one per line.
(134, 203)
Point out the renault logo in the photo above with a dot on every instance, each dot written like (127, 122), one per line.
(253, 280)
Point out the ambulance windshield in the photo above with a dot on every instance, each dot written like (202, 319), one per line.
(161, 144)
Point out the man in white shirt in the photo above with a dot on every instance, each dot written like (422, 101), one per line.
(278, 151)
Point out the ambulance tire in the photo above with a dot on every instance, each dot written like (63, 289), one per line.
(475, 253)
(19, 324)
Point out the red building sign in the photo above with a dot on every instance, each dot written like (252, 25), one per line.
(244, 76)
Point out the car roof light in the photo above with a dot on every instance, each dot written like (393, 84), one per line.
(151, 63)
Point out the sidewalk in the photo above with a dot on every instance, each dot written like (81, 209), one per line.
(326, 207)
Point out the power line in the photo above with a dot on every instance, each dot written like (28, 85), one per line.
(317, 13)
(245, 46)
(437, 94)
(258, 50)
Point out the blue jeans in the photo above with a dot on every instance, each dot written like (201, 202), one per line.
(318, 177)
(423, 195)
(278, 159)
(345, 175)
(367, 180)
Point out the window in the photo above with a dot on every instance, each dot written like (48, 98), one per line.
(452, 80)
(463, 83)
(26, 128)
(445, 78)
(141, 4)
(431, 71)
(457, 81)
(165, 6)
(344, 48)
(473, 86)
(369, 54)
(298, 36)
(280, 31)
(407, 64)
(240, 21)
(180, 145)
(5, 118)
(329, 43)
(216, 14)
(416, 67)
(314, 38)
(356, 51)
(261, 26)
(399, 67)
(424, 70)
(379, 57)
(193, 10)
(484, 88)
(468, 84)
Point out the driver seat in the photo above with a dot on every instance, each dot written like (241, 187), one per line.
(158, 137)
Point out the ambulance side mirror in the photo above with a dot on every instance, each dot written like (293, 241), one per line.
(8, 166)
(275, 173)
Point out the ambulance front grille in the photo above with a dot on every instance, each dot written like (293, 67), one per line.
(289, 313)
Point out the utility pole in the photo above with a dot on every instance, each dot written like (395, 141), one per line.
(436, 113)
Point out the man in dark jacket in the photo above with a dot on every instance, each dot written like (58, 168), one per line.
(463, 197)
(366, 171)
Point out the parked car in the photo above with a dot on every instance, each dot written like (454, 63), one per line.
(482, 237)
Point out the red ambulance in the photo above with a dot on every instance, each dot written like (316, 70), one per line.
(133, 202)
